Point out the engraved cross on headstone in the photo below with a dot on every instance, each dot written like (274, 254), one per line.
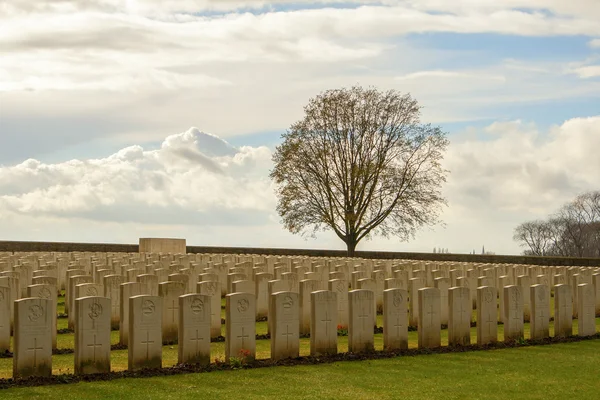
(326, 320)
(94, 345)
(242, 336)
(35, 349)
(173, 309)
(197, 340)
(287, 335)
(148, 342)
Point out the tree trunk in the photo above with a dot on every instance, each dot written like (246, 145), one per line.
(351, 246)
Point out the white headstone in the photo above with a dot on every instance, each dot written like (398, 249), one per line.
(92, 335)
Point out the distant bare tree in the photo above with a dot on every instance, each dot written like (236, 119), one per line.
(573, 231)
(361, 164)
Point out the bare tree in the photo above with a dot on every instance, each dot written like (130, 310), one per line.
(361, 164)
(573, 231)
(534, 234)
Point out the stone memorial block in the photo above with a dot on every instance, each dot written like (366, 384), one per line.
(393, 283)
(414, 284)
(92, 335)
(32, 347)
(563, 311)
(340, 286)
(443, 284)
(170, 292)
(524, 282)
(48, 292)
(487, 315)
(5, 307)
(240, 325)
(429, 332)
(261, 282)
(323, 322)
(395, 319)
(162, 245)
(145, 332)
(112, 290)
(212, 289)
(540, 311)
(586, 322)
(513, 307)
(194, 329)
(459, 320)
(360, 327)
(150, 281)
(243, 287)
(307, 286)
(284, 310)
(369, 284)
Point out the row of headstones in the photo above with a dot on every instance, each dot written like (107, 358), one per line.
(33, 348)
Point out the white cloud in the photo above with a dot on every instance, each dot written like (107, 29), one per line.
(192, 172)
(594, 43)
(502, 175)
(589, 71)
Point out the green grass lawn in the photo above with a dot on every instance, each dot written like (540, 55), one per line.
(560, 371)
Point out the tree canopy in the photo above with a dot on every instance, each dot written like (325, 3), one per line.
(361, 164)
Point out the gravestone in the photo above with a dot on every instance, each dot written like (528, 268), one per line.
(502, 282)
(596, 282)
(360, 326)
(513, 307)
(429, 329)
(73, 282)
(340, 286)
(443, 284)
(379, 277)
(14, 290)
(47, 292)
(414, 284)
(586, 322)
(194, 329)
(369, 284)
(92, 335)
(393, 283)
(112, 290)
(126, 291)
(243, 287)
(395, 319)
(262, 294)
(459, 321)
(323, 318)
(563, 311)
(150, 282)
(524, 282)
(145, 332)
(4, 319)
(487, 316)
(170, 292)
(212, 289)
(284, 311)
(32, 348)
(540, 311)
(307, 286)
(240, 325)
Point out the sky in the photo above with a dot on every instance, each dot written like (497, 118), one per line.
(122, 119)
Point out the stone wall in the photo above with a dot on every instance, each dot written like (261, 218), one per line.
(13, 246)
